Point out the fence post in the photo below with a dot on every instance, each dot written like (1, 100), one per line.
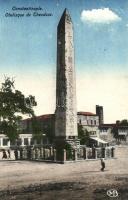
(84, 152)
(42, 153)
(51, 153)
(64, 154)
(95, 153)
(37, 153)
(54, 153)
(31, 150)
(24, 154)
(28, 153)
(21, 154)
(75, 154)
(33, 154)
(18, 154)
(46, 153)
(112, 152)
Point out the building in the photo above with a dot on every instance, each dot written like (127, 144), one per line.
(99, 112)
(115, 133)
(89, 121)
(46, 123)
(105, 132)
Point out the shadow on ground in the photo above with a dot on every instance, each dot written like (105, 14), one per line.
(65, 191)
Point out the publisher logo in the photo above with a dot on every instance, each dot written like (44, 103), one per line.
(112, 193)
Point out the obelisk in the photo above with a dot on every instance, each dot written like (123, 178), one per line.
(65, 114)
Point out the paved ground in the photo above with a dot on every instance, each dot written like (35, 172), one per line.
(81, 180)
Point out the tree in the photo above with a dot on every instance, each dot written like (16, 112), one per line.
(115, 131)
(13, 105)
(83, 135)
(37, 131)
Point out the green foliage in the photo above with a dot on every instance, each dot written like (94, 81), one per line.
(13, 104)
(69, 149)
(115, 132)
(49, 131)
(37, 129)
(83, 135)
(42, 129)
(60, 151)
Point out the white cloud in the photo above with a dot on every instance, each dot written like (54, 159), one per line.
(102, 16)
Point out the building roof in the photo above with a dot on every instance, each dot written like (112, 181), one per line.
(107, 125)
(47, 116)
(112, 125)
(98, 140)
(123, 127)
(86, 113)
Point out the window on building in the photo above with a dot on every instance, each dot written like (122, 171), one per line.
(25, 141)
(93, 132)
(32, 141)
(19, 142)
(91, 122)
(5, 142)
(95, 122)
(80, 121)
(45, 141)
(38, 141)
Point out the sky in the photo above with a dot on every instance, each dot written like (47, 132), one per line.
(28, 52)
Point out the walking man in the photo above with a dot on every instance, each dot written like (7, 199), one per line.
(102, 165)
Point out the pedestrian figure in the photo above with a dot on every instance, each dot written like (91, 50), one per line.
(9, 153)
(4, 155)
(102, 165)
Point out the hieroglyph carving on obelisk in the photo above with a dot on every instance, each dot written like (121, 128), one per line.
(65, 114)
